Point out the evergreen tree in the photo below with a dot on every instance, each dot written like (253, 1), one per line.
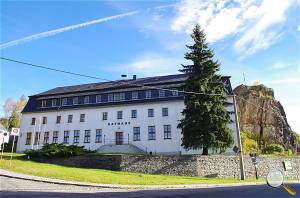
(14, 120)
(205, 119)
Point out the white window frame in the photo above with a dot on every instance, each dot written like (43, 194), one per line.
(86, 99)
(148, 94)
(54, 102)
(75, 101)
(64, 102)
(98, 98)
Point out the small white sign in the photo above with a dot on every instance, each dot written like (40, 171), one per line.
(287, 165)
(5, 137)
(15, 132)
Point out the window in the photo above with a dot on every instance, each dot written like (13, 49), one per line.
(174, 93)
(44, 103)
(54, 102)
(76, 136)
(58, 119)
(64, 101)
(167, 131)
(165, 112)
(136, 134)
(33, 121)
(37, 138)
(120, 115)
(116, 97)
(75, 100)
(135, 95)
(87, 136)
(66, 137)
(110, 97)
(122, 96)
(148, 93)
(104, 115)
(133, 113)
(151, 132)
(150, 112)
(70, 118)
(98, 98)
(86, 100)
(44, 120)
(28, 138)
(46, 137)
(55, 137)
(82, 118)
(98, 136)
(161, 93)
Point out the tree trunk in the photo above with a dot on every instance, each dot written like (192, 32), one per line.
(205, 151)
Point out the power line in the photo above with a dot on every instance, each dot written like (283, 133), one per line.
(129, 82)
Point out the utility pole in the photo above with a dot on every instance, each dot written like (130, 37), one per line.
(242, 169)
(244, 78)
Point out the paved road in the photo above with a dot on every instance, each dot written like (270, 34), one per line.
(16, 188)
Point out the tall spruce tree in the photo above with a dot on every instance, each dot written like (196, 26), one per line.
(205, 118)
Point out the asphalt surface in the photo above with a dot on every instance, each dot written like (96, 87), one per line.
(11, 188)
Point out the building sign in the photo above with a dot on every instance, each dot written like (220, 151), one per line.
(15, 132)
(287, 165)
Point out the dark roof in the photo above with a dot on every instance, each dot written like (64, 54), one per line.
(121, 84)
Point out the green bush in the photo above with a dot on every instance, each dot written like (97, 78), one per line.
(57, 150)
(274, 149)
(249, 145)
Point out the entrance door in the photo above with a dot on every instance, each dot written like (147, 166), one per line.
(119, 138)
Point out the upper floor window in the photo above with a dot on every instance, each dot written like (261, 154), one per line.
(120, 115)
(75, 100)
(54, 102)
(82, 118)
(66, 137)
(151, 133)
(134, 95)
(150, 112)
(110, 97)
(161, 93)
(134, 113)
(64, 101)
(98, 136)
(174, 93)
(98, 98)
(58, 119)
(122, 96)
(44, 120)
(28, 138)
(87, 136)
(70, 118)
(33, 121)
(44, 103)
(76, 136)
(136, 134)
(46, 137)
(167, 131)
(165, 112)
(104, 115)
(148, 93)
(86, 100)
(55, 137)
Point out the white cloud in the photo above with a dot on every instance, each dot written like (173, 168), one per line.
(280, 65)
(285, 81)
(253, 22)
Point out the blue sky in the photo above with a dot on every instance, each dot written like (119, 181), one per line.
(257, 37)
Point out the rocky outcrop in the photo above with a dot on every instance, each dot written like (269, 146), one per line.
(262, 116)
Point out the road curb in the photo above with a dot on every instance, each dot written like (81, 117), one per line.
(10, 174)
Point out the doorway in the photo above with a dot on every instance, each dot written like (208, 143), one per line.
(119, 138)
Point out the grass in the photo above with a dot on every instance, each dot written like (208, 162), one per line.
(100, 176)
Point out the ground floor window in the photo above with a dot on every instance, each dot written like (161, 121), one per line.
(46, 137)
(167, 131)
(76, 136)
(151, 133)
(87, 136)
(98, 136)
(136, 134)
(66, 137)
(37, 138)
(55, 137)
(28, 138)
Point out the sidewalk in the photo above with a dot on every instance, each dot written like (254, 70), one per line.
(11, 174)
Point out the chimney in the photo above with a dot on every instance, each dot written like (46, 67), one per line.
(123, 76)
(134, 77)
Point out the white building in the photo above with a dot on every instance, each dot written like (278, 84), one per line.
(120, 116)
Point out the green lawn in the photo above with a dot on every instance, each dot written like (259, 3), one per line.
(100, 176)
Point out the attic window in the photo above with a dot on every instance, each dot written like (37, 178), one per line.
(86, 99)
(64, 101)
(54, 102)
(44, 103)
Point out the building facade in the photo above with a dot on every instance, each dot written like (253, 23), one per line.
(140, 112)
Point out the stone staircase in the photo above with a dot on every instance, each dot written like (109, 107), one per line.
(124, 148)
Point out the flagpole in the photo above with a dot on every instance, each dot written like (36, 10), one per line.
(12, 150)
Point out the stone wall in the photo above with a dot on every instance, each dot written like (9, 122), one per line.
(186, 165)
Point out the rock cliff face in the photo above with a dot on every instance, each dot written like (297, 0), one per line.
(263, 117)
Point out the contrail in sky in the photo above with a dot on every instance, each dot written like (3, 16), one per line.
(64, 29)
